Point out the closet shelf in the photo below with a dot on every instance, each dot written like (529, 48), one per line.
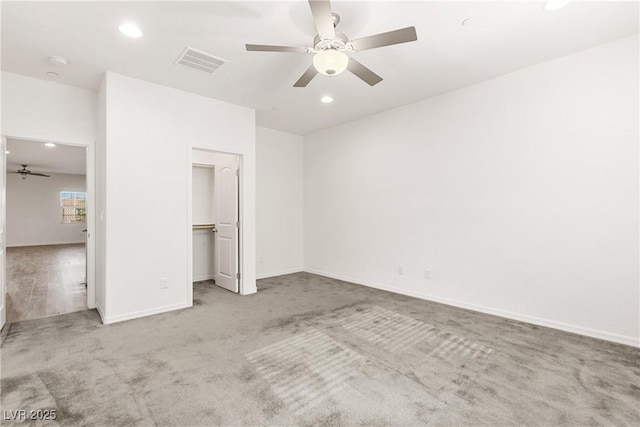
(204, 226)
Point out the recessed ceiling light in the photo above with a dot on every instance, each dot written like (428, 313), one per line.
(552, 5)
(129, 29)
(52, 74)
(49, 144)
(326, 99)
(7, 152)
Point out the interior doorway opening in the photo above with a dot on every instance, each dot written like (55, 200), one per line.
(46, 216)
(215, 225)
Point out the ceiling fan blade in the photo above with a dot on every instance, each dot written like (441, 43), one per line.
(271, 48)
(363, 72)
(38, 174)
(306, 77)
(386, 39)
(321, 11)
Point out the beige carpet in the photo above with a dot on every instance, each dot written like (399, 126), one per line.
(315, 351)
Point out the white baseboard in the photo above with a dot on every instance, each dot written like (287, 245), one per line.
(100, 312)
(279, 273)
(576, 329)
(14, 245)
(202, 278)
(249, 291)
(142, 313)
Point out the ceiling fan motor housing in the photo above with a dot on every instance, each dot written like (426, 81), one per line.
(340, 42)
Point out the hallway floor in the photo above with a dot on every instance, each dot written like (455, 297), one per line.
(45, 281)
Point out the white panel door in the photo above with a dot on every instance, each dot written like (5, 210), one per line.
(226, 214)
(3, 210)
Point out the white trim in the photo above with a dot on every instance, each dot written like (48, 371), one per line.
(3, 240)
(100, 312)
(190, 223)
(279, 273)
(143, 313)
(249, 291)
(243, 287)
(90, 180)
(567, 327)
(240, 231)
(90, 224)
(201, 278)
(3, 316)
(46, 244)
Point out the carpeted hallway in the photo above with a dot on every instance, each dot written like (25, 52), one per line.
(307, 350)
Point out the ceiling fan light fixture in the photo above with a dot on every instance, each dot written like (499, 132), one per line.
(330, 62)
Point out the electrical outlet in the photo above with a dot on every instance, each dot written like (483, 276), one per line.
(427, 274)
(164, 283)
(400, 270)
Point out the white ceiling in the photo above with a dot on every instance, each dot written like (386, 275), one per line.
(42, 159)
(506, 36)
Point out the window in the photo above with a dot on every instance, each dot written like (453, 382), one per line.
(73, 206)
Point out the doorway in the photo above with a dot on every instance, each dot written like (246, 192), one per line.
(215, 225)
(45, 235)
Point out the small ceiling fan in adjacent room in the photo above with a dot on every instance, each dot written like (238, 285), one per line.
(24, 172)
(330, 47)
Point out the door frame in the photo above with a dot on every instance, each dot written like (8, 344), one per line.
(90, 178)
(241, 282)
(3, 232)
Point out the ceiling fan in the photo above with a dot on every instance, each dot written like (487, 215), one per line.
(24, 172)
(330, 47)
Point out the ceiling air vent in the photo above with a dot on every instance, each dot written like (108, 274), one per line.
(199, 60)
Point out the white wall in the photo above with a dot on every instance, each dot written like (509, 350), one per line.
(279, 202)
(33, 210)
(150, 130)
(203, 245)
(202, 195)
(519, 193)
(43, 110)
